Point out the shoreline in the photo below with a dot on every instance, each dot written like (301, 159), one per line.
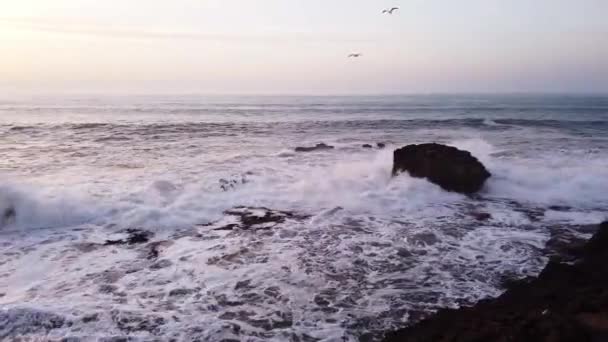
(568, 301)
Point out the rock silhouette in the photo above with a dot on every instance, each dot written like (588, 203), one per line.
(452, 169)
(567, 302)
(318, 147)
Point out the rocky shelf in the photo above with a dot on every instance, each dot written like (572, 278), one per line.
(568, 301)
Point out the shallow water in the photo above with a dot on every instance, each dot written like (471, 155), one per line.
(360, 253)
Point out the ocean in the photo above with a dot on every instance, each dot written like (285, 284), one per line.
(123, 217)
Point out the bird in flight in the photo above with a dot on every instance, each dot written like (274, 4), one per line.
(390, 11)
(355, 55)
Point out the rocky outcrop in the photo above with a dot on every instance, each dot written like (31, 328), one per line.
(566, 302)
(134, 236)
(18, 322)
(318, 147)
(451, 168)
(253, 218)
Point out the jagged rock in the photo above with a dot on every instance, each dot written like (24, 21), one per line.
(566, 302)
(135, 236)
(20, 322)
(451, 168)
(255, 218)
(481, 216)
(318, 147)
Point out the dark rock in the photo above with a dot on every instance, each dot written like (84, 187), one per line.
(90, 318)
(133, 322)
(479, 216)
(318, 147)
(230, 184)
(18, 323)
(381, 145)
(243, 285)
(181, 292)
(566, 302)
(107, 289)
(8, 216)
(161, 264)
(366, 146)
(560, 208)
(320, 301)
(258, 218)
(71, 339)
(117, 339)
(135, 236)
(451, 168)
(404, 253)
(155, 248)
(598, 244)
(425, 239)
(565, 245)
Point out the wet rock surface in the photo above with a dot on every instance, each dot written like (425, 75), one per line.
(134, 236)
(317, 147)
(566, 302)
(452, 169)
(256, 218)
(21, 321)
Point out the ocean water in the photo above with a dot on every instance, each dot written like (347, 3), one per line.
(354, 252)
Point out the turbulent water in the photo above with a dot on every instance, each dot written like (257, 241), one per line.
(192, 218)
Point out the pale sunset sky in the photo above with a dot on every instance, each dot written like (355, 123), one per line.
(301, 46)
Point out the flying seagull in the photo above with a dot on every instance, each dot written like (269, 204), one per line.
(355, 55)
(390, 11)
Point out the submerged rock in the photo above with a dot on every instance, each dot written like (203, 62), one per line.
(318, 147)
(367, 146)
(452, 169)
(130, 322)
(8, 216)
(155, 248)
(481, 216)
(254, 218)
(19, 323)
(233, 182)
(381, 145)
(135, 236)
(566, 302)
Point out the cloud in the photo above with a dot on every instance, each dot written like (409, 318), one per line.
(133, 33)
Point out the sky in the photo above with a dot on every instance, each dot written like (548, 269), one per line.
(301, 46)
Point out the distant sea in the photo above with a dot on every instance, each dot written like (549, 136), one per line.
(361, 253)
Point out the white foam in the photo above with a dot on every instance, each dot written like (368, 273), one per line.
(364, 224)
(39, 207)
(360, 183)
